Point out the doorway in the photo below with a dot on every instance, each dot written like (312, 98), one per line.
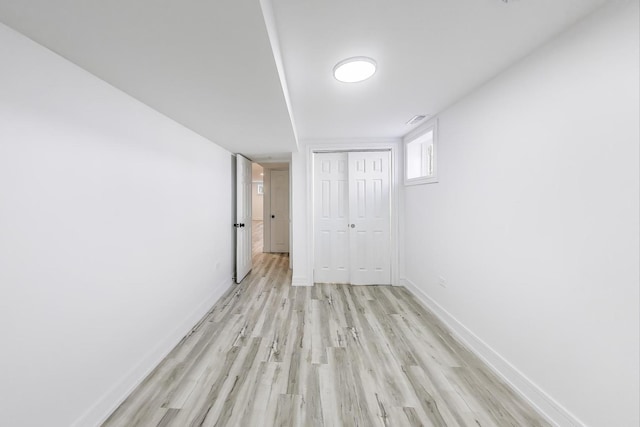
(352, 217)
(262, 211)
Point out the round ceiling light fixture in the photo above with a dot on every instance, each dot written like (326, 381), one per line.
(353, 70)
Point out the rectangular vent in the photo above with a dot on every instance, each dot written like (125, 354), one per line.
(416, 119)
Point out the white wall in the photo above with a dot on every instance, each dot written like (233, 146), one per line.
(534, 223)
(112, 240)
(301, 269)
(257, 202)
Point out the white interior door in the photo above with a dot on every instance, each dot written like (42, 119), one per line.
(243, 217)
(331, 213)
(279, 211)
(352, 218)
(370, 217)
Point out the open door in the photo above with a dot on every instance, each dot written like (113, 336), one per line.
(243, 217)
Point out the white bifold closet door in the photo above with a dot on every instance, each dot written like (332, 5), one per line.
(352, 218)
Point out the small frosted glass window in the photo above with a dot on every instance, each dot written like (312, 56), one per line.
(420, 158)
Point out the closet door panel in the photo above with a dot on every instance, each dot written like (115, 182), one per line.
(369, 180)
(331, 216)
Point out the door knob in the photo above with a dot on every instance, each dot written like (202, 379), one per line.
(273, 216)
(352, 225)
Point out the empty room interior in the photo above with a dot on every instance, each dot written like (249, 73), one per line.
(320, 213)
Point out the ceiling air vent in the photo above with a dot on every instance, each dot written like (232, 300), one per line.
(415, 119)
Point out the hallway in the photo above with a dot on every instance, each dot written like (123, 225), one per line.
(269, 354)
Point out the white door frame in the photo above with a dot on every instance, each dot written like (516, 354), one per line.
(378, 145)
(266, 215)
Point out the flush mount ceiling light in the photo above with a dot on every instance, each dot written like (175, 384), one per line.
(353, 70)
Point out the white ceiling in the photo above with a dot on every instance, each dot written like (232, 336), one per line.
(430, 53)
(210, 65)
(206, 64)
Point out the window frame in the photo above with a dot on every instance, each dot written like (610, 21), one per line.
(431, 125)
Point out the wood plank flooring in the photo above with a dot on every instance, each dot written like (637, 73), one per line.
(269, 354)
(257, 241)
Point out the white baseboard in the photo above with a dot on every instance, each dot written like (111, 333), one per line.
(545, 404)
(300, 281)
(111, 400)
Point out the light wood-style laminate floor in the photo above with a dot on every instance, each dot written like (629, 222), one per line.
(257, 241)
(269, 354)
